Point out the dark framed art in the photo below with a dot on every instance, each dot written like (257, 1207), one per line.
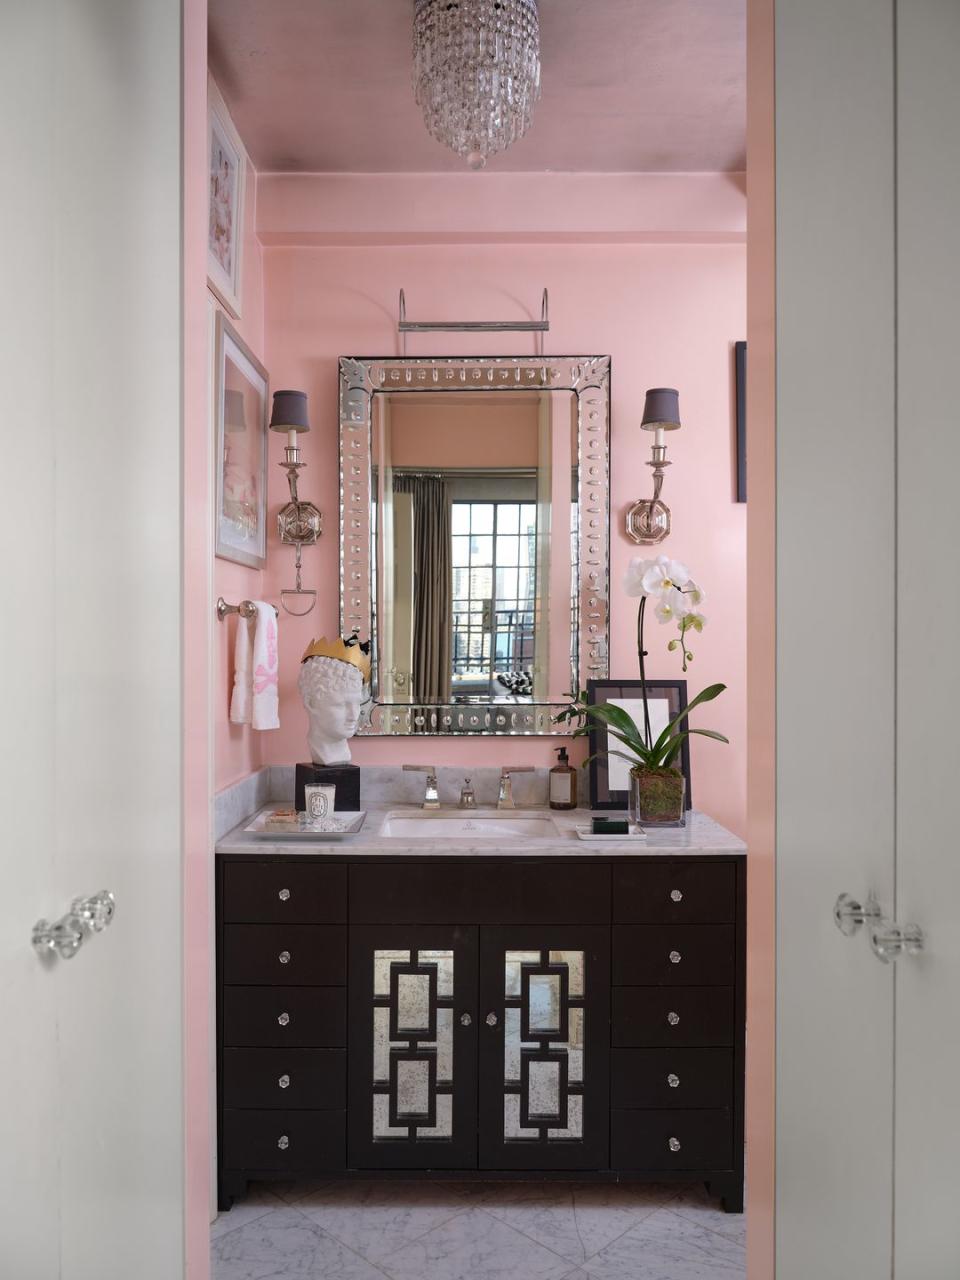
(608, 775)
(740, 385)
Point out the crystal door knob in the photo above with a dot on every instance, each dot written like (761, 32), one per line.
(465, 1019)
(849, 915)
(673, 1081)
(890, 940)
(284, 957)
(283, 1142)
(284, 1019)
(284, 1081)
(673, 1018)
(675, 957)
(676, 895)
(284, 895)
(674, 1144)
(491, 1019)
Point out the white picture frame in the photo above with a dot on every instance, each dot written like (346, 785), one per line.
(227, 166)
(241, 406)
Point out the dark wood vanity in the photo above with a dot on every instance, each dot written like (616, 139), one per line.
(484, 1016)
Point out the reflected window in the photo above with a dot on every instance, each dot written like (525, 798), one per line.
(494, 555)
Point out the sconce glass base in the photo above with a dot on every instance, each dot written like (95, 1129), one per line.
(648, 521)
(299, 522)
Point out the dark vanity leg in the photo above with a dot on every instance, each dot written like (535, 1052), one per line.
(231, 1186)
(730, 1191)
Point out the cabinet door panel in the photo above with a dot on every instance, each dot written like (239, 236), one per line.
(544, 1047)
(412, 1099)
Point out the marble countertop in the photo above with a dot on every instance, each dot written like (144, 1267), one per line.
(701, 836)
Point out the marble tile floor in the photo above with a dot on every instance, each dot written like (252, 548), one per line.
(477, 1231)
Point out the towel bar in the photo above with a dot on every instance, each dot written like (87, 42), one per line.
(245, 608)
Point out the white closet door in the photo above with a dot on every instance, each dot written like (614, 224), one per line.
(927, 1214)
(92, 1149)
(835, 647)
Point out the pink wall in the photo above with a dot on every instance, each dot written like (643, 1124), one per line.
(238, 749)
(666, 313)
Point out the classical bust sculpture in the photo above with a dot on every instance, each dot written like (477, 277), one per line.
(331, 680)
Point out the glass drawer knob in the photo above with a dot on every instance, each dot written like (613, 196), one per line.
(465, 1019)
(284, 895)
(673, 1018)
(675, 957)
(284, 1081)
(284, 957)
(676, 895)
(284, 1019)
(674, 1144)
(673, 1081)
(491, 1019)
(283, 1142)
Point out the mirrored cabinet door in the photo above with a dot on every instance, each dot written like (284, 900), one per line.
(544, 1047)
(413, 1048)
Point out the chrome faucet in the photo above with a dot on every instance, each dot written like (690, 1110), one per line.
(468, 799)
(505, 798)
(431, 798)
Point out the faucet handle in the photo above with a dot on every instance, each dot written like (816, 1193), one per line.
(468, 799)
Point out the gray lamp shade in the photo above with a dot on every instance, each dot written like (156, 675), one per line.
(234, 416)
(289, 411)
(661, 409)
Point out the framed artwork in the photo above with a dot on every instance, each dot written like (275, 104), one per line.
(740, 384)
(225, 221)
(609, 775)
(241, 399)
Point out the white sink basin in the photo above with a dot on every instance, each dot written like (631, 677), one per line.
(512, 825)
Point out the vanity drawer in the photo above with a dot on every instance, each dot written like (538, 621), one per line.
(285, 954)
(284, 1141)
(675, 893)
(672, 1016)
(302, 1017)
(285, 1079)
(529, 893)
(695, 955)
(642, 1139)
(284, 892)
(671, 1078)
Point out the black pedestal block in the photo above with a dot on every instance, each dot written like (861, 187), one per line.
(345, 777)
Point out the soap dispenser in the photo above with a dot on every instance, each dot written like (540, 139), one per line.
(563, 782)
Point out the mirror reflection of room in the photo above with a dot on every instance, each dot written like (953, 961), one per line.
(474, 523)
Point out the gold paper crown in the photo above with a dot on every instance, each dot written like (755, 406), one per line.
(352, 653)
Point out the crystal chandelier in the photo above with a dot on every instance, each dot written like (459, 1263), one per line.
(476, 72)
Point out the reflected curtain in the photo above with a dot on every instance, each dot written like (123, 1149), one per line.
(433, 585)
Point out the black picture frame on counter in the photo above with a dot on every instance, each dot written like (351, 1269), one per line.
(672, 692)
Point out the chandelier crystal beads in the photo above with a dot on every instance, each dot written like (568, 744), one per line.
(476, 72)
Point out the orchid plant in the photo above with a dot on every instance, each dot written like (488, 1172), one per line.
(678, 600)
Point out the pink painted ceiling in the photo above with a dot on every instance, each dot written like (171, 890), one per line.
(628, 86)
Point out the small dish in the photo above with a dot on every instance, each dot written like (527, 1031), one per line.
(301, 828)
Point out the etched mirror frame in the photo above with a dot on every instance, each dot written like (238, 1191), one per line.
(588, 378)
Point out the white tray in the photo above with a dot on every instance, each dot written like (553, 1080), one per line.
(337, 827)
(587, 834)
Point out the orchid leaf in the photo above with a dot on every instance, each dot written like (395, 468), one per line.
(680, 738)
(705, 695)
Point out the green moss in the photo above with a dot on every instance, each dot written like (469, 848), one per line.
(660, 796)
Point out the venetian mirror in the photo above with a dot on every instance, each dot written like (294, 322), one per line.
(474, 537)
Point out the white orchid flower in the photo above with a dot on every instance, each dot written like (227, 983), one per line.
(694, 620)
(633, 578)
(663, 576)
(672, 606)
(694, 595)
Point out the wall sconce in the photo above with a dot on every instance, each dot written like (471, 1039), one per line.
(299, 523)
(648, 520)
